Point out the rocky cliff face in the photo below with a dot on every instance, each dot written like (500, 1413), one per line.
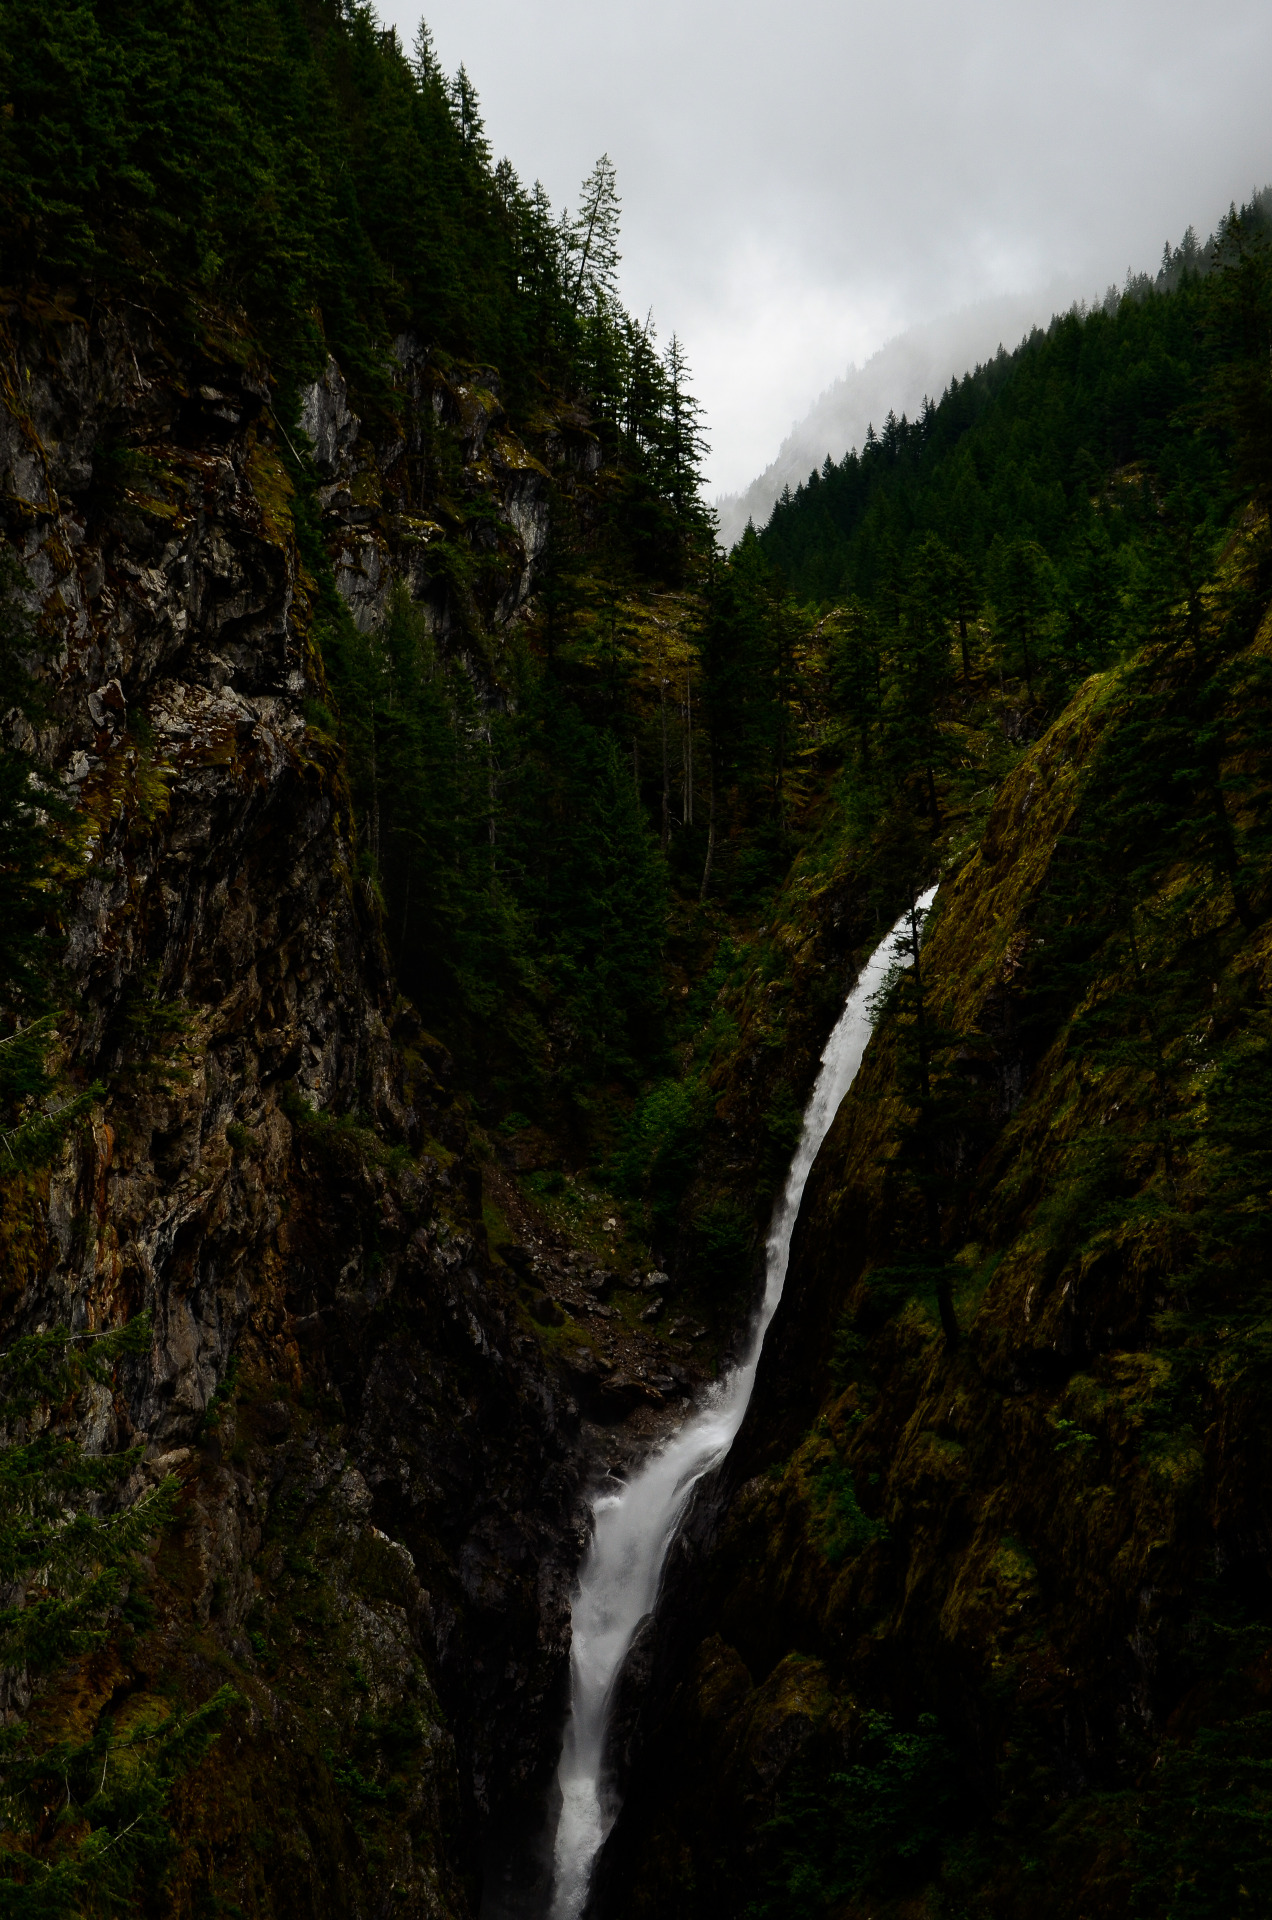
(379, 1512)
(1044, 1539)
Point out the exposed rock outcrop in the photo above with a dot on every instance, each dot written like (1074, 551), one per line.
(380, 1509)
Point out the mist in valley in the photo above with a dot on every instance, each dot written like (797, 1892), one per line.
(829, 187)
(915, 366)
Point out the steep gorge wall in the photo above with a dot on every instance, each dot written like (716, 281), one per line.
(379, 1509)
(1031, 1538)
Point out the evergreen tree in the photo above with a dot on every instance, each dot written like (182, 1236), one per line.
(1023, 590)
(920, 677)
(591, 240)
(472, 128)
(686, 449)
(945, 583)
(1095, 623)
(424, 60)
(855, 653)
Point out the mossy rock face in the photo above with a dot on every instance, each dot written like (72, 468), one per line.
(338, 1767)
(377, 1524)
(1043, 1533)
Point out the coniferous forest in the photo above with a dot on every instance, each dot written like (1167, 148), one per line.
(431, 869)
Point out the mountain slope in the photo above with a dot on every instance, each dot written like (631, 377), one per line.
(918, 365)
(983, 1628)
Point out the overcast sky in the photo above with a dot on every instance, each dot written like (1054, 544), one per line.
(801, 181)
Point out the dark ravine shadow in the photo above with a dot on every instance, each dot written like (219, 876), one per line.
(647, 1688)
(640, 1763)
(517, 1860)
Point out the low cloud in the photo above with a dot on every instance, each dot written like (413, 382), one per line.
(800, 184)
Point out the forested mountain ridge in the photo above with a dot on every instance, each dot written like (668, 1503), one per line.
(974, 1619)
(1016, 448)
(902, 376)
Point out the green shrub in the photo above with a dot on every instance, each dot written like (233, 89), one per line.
(720, 1244)
(1202, 1841)
(664, 1141)
(84, 1809)
(877, 1826)
(840, 1528)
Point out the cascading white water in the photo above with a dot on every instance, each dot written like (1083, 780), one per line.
(632, 1529)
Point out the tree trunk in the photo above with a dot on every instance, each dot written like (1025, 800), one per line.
(688, 751)
(666, 786)
(706, 871)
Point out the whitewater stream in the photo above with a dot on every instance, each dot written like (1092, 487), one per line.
(633, 1527)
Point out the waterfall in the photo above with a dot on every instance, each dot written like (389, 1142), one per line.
(633, 1527)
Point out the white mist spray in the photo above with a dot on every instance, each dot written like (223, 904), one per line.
(633, 1528)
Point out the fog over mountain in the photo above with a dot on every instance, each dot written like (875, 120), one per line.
(804, 184)
(915, 365)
